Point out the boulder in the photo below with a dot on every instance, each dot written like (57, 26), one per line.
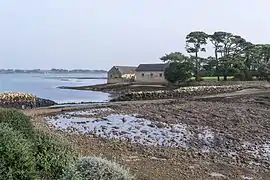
(23, 100)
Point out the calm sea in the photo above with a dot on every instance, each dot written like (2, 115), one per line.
(45, 86)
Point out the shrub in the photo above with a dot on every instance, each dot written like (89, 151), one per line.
(17, 159)
(264, 71)
(178, 72)
(96, 168)
(18, 121)
(53, 155)
(239, 76)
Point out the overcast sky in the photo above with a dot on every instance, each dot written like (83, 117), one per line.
(96, 34)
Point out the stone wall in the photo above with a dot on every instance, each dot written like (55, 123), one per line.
(179, 93)
(227, 83)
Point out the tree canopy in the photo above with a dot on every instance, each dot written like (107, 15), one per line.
(174, 57)
(194, 44)
(233, 55)
(178, 71)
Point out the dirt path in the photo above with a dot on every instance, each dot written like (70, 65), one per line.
(237, 93)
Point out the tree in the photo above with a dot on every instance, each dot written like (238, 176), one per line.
(178, 71)
(209, 66)
(180, 67)
(233, 55)
(266, 52)
(251, 58)
(264, 71)
(229, 46)
(194, 42)
(216, 40)
(175, 57)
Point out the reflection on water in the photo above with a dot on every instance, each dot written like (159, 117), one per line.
(45, 86)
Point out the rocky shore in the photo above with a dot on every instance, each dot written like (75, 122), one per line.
(224, 137)
(134, 87)
(118, 88)
(21, 100)
(182, 92)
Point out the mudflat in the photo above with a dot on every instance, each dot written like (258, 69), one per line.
(211, 137)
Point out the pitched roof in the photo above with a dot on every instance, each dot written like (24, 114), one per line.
(126, 69)
(151, 67)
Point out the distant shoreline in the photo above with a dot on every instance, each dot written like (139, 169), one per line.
(70, 77)
(52, 71)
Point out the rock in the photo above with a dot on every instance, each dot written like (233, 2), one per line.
(44, 102)
(179, 93)
(160, 125)
(21, 100)
(144, 131)
(151, 125)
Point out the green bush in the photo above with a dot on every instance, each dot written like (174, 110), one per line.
(53, 155)
(96, 168)
(264, 71)
(18, 121)
(239, 76)
(16, 157)
(178, 71)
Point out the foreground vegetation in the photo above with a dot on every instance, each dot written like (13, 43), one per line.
(27, 153)
(233, 56)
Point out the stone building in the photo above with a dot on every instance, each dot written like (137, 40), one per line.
(121, 74)
(150, 74)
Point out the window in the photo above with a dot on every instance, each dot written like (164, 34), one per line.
(151, 74)
(142, 74)
(160, 74)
